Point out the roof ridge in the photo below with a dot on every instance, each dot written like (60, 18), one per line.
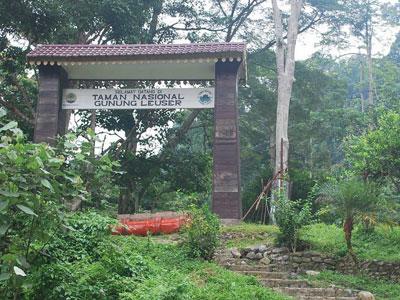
(224, 49)
(150, 45)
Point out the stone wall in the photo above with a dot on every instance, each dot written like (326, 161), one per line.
(374, 268)
(283, 259)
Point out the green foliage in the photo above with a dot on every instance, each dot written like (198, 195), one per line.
(325, 238)
(123, 267)
(381, 289)
(34, 181)
(376, 154)
(202, 233)
(97, 172)
(351, 197)
(181, 201)
(353, 200)
(250, 234)
(382, 244)
(18, 92)
(291, 216)
(250, 228)
(85, 231)
(82, 263)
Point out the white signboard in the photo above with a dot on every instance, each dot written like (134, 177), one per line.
(138, 98)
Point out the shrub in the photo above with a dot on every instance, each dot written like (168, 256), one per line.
(34, 180)
(351, 199)
(202, 234)
(83, 232)
(376, 153)
(291, 216)
(97, 172)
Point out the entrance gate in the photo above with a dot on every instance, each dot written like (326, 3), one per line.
(224, 63)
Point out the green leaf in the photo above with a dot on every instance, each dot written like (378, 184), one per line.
(3, 204)
(44, 171)
(2, 112)
(3, 229)
(47, 184)
(68, 144)
(39, 161)
(9, 194)
(56, 161)
(8, 126)
(5, 276)
(21, 260)
(68, 227)
(19, 271)
(26, 210)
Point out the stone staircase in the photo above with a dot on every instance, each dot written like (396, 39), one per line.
(289, 284)
(285, 282)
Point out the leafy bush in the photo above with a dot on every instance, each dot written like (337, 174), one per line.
(96, 172)
(376, 154)
(34, 181)
(202, 233)
(84, 231)
(351, 199)
(131, 268)
(83, 262)
(291, 216)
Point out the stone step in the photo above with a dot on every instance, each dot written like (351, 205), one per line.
(285, 283)
(266, 274)
(313, 292)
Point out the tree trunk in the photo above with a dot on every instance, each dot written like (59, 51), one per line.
(93, 128)
(362, 87)
(368, 43)
(370, 77)
(285, 63)
(348, 229)
(126, 203)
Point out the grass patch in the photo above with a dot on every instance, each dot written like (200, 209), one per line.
(250, 228)
(131, 268)
(248, 242)
(251, 234)
(382, 289)
(382, 244)
(175, 276)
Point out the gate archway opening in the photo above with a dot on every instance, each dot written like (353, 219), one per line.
(224, 63)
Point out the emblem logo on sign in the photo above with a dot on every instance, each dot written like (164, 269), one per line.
(205, 97)
(70, 98)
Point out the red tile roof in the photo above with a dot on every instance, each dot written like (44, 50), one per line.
(136, 51)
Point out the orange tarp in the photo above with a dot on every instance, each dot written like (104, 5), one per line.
(143, 224)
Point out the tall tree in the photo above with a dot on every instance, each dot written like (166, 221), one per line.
(285, 66)
(360, 19)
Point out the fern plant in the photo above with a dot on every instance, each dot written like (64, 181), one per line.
(351, 199)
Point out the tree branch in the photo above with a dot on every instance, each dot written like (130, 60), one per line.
(16, 111)
(180, 133)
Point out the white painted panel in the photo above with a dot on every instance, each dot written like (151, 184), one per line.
(138, 98)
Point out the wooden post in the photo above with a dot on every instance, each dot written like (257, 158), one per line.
(226, 200)
(50, 119)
